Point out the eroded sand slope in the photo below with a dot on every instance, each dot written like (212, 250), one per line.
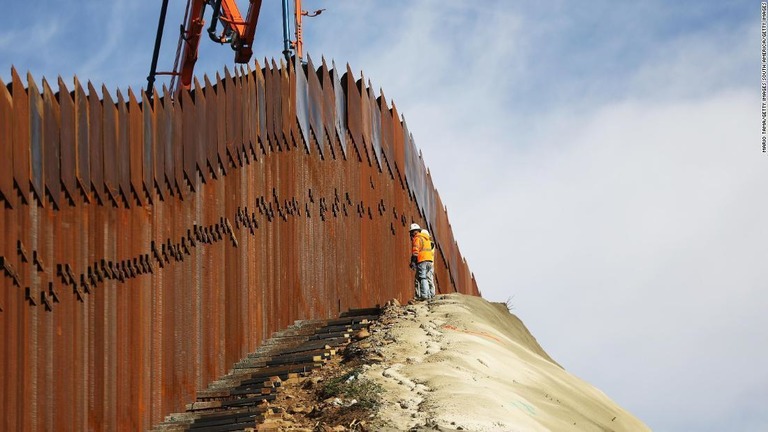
(462, 363)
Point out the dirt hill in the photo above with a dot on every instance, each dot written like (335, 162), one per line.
(453, 363)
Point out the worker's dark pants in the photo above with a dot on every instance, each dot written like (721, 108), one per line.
(425, 280)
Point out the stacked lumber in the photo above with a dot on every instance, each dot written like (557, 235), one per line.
(241, 399)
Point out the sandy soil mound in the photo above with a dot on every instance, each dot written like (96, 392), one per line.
(461, 363)
(455, 363)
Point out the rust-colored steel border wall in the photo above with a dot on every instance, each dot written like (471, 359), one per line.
(146, 244)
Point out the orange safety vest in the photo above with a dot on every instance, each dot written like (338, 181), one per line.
(423, 248)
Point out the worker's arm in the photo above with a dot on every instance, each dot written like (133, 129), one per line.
(415, 249)
(416, 246)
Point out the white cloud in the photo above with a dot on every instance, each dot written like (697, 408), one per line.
(635, 250)
(622, 212)
(695, 64)
(5, 41)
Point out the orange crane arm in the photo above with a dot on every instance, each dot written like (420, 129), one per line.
(190, 38)
(238, 33)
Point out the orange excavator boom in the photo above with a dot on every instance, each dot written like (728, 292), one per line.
(237, 32)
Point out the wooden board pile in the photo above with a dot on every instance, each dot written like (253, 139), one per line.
(241, 399)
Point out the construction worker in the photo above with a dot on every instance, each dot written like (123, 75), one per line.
(422, 257)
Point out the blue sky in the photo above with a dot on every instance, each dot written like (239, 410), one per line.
(609, 151)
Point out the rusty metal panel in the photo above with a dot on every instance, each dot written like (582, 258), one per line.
(36, 152)
(189, 140)
(177, 148)
(421, 185)
(241, 143)
(302, 102)
(265, 92)
(67, 143)
(278, 102)
(272, 96)
(52, 147)
(110, 133)
(211, 127)
(280, 81)
(261, 101)
(123, 151)
(166, 133)
(251, 115)
(411, 161)
(288, 97)
(315, 105)
(236, 118)
(96, 142)
(201, 136)
(6, 147)
(160, 143)
(20, 136)
(246, 104)
(135, 147)
(221, 125)
(82, 141)
(287, 102)
(365, 122)
(341, 110)
(148, 121)
(429, 199)
(386, 131)
(329, 109)
(373, 126)
(398, 145)
(354, 113)
(230, 104)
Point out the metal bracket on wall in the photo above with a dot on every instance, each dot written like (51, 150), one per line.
(21, 251)
(28, 296)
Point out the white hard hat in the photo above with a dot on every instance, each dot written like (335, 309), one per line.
(415, 227)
